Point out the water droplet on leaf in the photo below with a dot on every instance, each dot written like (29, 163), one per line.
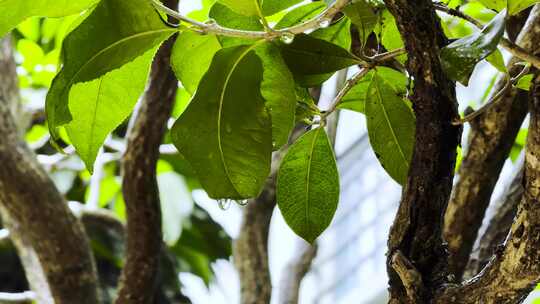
(287, 38)
(324, 23)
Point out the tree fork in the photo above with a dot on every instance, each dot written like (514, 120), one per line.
(490, 141)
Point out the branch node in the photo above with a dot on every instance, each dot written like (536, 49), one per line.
(409, 275)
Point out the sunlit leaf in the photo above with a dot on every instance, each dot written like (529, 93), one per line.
(16, 11)
(115, 33)
(191, 56)
(101, 105)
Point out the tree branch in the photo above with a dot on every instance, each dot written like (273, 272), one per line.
(417, 229)
(214, 28)
(50, 241)
(139, 186)
(499, 225)
(515, 270)
(490, 140)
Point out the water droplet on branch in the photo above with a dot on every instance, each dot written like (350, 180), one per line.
(287, 38)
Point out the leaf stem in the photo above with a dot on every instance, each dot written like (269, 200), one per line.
(214, 28)
(511, 47)
(495, 99)
(371, 63)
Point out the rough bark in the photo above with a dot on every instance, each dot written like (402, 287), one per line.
(139, 186)
(50, 240)
(251, 248)
(490, 141)
(498, 226)
(515, 269)
(416, 235)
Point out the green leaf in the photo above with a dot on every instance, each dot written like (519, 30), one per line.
(305, 50)
(390, 36)
(101, 105)
(516, 6)
(225, 133)
(338, 34)
(278, 90)
(355, 99)
(226, 17)
(308, 185)
(16, 11)
(270, 7)
(115, 33)
(524, 82)
(363, 17)
(191, 56)
(300, 14)
(244, 7)
(460, 57)
(497, 5)
(497, 61)
(391, 126)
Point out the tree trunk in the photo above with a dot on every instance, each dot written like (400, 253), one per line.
(49, 239)
(416, 253)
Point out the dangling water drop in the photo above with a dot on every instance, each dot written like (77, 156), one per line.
(224, 204)
(324, 23)
(287, 38)
(242, 202)
(211, 22)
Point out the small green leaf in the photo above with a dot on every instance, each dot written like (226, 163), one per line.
(363, 17)
(300, 14)
(16, 11)
(115, 33)
(278, 90)
(391, 126)
(390, 36)
(244, 7)
(460, 57)
(305, 50)
(225, 133)
(516, 6)
(270, 7)
(338, 34)
(524, 82)
(355, 99)
(191, 56)
(226, 17)
(101, 105)
(308, 185)
(497, 5)
(497, 61)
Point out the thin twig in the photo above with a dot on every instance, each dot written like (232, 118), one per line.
(212, 27)
(511, 47)
(495, 99)
(346, 88)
